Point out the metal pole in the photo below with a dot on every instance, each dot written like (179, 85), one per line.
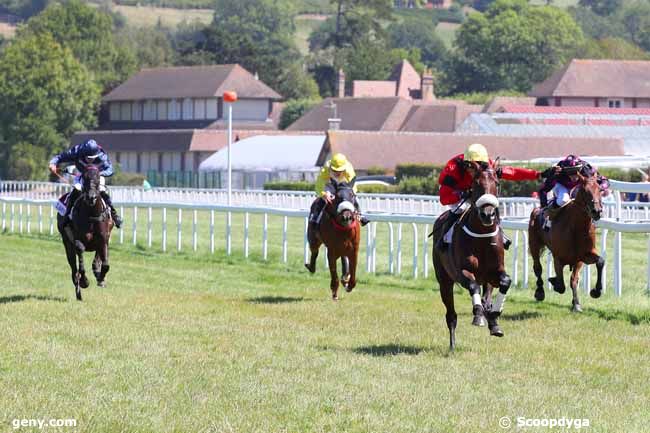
(230, 154)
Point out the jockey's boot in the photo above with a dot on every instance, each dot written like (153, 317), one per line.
(116, 218)
(452, 217)
(72, 199)
(549, 215)
(363, 220)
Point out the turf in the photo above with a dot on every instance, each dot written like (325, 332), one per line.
(188, 341)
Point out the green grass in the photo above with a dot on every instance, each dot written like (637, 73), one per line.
(447, 32)
(148, 16)
(305, 24)
(188, 341)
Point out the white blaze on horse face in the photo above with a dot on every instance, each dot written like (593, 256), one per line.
(487, 199)
(498, 304)
(476, 299)
(345, 205)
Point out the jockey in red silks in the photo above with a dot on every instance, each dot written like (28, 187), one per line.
(456, 180)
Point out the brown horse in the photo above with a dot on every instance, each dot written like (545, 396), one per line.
(475, 256)
(340, 232)
(89, 230)
(571, 240)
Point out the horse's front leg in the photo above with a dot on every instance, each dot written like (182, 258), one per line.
(334, 279)
(590, 259)
(497, 307)
(353, 259)
(575, 280)
(479, 320)
(558, 280)
(345, 271)
(468, 281)
(83, 280)
(102, 254)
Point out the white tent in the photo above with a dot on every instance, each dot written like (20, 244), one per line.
(262, 158)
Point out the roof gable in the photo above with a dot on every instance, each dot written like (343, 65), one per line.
(191, 82)
(598, 78)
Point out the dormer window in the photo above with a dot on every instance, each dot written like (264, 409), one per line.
(615, 103)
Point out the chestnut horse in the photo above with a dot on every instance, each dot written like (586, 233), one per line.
(89, 230)
(475, 255)
(571, 240)
(340, 232)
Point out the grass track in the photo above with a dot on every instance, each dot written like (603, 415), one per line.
(193, 342)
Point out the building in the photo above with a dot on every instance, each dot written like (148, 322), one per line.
(387, 149)
(597, 83)
(171, 119)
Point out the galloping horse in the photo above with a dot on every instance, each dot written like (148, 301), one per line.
(571, 240)
(89, 230)
(475, 256)
(340, 232)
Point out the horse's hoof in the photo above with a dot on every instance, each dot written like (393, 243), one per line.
(495, 331)
(84, 283)
(539, 295)
(102, 284)
(576, 308)
(335, 298)
(595, 293)
(478, 321)
(310, 269)
(555, 283)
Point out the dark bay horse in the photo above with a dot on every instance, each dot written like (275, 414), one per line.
(340, 231)
(475, 257)
(571, 240)
(89, 230)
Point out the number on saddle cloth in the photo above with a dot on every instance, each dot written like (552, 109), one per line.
(62, 203)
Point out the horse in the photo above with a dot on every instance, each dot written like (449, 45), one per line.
(89, 230)
(475, 256)
(571, 239)
(340, 232)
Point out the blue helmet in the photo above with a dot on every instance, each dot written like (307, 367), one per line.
(91, 149)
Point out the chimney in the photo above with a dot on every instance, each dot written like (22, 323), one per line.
(257, 77)
(426, 88)
(340, 84)
(333, 124)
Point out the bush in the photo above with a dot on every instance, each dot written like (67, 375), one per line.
(419, 185)
(294, 109)
(416, 170)
(125, 179)
(283, 185)
(374, 171)
(378, 189)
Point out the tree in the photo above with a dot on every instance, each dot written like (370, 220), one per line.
(636, 19)
(258, 34)
(355, 19)
(602, 7)
(613, 49)
(418, 34)
(294, 109)
(596, 26)
(47, 95)
(152, 47)
(511, 46)
(88, 33)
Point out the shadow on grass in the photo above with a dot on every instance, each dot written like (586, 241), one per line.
(523, 315)
(388, 350)
(22, 298)
(274, 300)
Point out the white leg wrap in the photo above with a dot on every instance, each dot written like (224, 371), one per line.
(498, 304)
(476, 299)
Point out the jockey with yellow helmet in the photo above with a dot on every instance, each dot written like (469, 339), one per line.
(335, 171)
(456, 180)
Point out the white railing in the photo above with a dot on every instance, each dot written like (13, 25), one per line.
(510, 207)
(17, 217)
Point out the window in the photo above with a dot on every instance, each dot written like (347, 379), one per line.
(615, 103)
(115, 111)
(162, 110)
(125, 111)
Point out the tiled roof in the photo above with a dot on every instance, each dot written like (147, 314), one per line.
(191, 82)
(406, 77)
(388, 149)
(598, 78)
(373, 89)
(496, 103)
(510, 108)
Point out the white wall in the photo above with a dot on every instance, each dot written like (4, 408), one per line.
(250, 109)
(577, 102)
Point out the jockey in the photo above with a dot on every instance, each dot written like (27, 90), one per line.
(561, 179)
(456, 180)
(336, 170)
(88, 152)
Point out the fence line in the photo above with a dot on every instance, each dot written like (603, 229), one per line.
(519, 207)
(17, 218)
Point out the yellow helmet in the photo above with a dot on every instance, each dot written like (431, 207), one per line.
(476, 152)
(339, 162)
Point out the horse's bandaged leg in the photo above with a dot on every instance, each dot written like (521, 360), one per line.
(497, 306)
(476, 299)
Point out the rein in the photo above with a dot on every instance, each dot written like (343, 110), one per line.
(342, 228)
(481, 235)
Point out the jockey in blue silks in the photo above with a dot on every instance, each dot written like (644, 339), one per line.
(81, 155)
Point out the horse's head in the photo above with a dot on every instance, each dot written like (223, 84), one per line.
(91, 181)
(344, 203)
(589, 196)
(484, 192)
